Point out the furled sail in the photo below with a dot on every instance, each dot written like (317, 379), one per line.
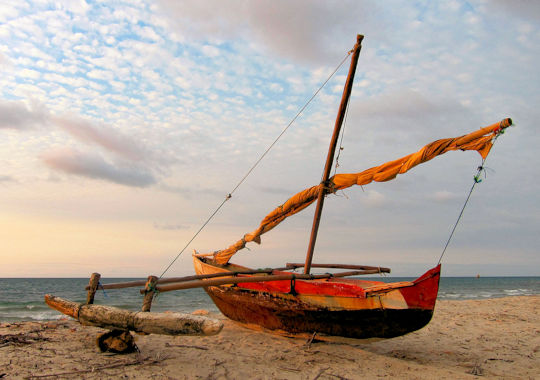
(480, 140)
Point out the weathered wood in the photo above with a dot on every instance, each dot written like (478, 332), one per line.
(169, 280)
(340, 266)
(331, 150)
(122, 285)
(152, 323)
(149, 291)
(239, 280)
(92, 288)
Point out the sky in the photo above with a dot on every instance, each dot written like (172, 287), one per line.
(125, 124)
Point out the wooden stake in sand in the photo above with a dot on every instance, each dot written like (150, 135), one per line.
(149, 291)
(92, 288)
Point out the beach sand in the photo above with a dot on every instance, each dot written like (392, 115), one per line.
(494, 338)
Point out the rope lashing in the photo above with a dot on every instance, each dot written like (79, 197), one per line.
(151, 288)
(477, 178)
(329, 187)
(102, 288)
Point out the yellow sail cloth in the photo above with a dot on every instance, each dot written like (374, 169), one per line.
(480, 140)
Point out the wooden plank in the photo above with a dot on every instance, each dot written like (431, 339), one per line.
(341, 266)
(122, 285)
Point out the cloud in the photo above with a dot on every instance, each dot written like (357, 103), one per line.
(374, 199)
(407, 118)
(6, 179)
(304, 30)
(443, 196)
(94, 166)
(103, 135)
(17, 115)
(274, 190)
(404, 103)
(169, 227)
(521, 9)
(4, 61)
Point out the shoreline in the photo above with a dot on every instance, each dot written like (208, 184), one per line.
(466, 339)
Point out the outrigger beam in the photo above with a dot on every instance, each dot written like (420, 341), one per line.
(231, 279)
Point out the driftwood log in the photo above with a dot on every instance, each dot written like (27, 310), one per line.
(146, 322)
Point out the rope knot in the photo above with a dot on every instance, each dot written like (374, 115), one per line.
(329, 186)
(100, 285)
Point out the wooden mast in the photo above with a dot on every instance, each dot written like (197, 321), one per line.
(331, 151)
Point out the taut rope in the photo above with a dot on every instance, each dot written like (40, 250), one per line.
(477, 179)
(229, 195)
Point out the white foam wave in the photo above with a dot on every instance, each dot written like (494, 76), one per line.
(29, 316)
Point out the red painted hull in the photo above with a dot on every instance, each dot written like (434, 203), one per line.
(336, 307)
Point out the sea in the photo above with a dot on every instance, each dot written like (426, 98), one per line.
(21, 299)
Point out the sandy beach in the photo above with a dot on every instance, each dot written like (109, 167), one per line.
(493, 338)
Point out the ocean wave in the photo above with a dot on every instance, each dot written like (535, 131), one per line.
(518, 292)
(486, 294)
(32, 316)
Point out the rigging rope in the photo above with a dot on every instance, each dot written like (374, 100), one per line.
(477, 179)
(229, 196)
(342, 135)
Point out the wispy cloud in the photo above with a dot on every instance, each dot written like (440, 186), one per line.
(102, 135)
(94, 166)
(405, 103)
(302, 30)
(374, 199)
(129, 168)
(169, 227)
(521, 9)
(444, 196)
(6, 179)
(17, 115)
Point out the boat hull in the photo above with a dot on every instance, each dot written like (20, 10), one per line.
(337, 307)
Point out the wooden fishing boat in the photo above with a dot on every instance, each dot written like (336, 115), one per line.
(332, 305)
(300, 304)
